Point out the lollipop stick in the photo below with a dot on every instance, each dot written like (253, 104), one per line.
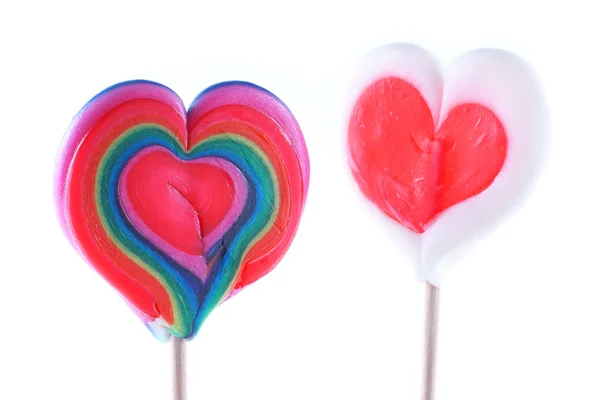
(431, 327)
(179, 369)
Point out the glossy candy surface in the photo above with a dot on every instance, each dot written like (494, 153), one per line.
(444, 157)
(412, 170)
(180, 210)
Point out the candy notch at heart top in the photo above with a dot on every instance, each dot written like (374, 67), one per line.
(446, 159)
(180, 210)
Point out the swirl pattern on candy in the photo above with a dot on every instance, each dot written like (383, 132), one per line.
(180, 210)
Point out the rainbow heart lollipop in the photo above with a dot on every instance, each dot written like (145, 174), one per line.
(180, 210)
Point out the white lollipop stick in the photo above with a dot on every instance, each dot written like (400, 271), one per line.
(431, 329)
(179, 369)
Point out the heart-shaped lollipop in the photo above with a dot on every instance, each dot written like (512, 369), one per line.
(443, 160)
(180, 210)
(446, 159)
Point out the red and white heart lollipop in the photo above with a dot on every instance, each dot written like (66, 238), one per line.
(446, 159)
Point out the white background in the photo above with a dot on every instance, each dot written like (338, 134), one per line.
(342, 315)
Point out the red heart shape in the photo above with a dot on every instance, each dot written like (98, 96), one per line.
(408, 168)
(178, 205)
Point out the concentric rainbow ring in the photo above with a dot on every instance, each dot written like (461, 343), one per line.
(134, 164)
